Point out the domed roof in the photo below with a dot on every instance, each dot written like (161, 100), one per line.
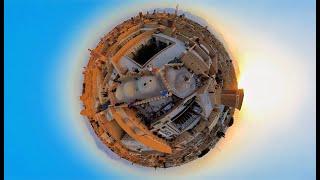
(182, 81)
(129, 89)
(119, 94)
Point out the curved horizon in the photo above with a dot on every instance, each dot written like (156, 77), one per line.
(276, 71)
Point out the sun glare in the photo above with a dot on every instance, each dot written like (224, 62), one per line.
(269, 85)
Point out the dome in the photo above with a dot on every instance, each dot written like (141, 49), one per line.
(182, 81)
(129, 89)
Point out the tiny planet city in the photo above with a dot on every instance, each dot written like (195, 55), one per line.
(160, 90)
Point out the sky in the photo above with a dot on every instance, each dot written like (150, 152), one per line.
(46, 47)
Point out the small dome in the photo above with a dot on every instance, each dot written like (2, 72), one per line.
(182, 81)
(129, 89)
(119, 94)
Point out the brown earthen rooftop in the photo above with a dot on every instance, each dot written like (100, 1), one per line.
(160, 90)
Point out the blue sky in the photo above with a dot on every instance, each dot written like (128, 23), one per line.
(46, 46)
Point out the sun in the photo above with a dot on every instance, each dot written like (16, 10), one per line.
(270, 85)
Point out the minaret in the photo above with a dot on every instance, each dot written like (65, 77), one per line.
(141, 17)
(174, 20)
(176, 11)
